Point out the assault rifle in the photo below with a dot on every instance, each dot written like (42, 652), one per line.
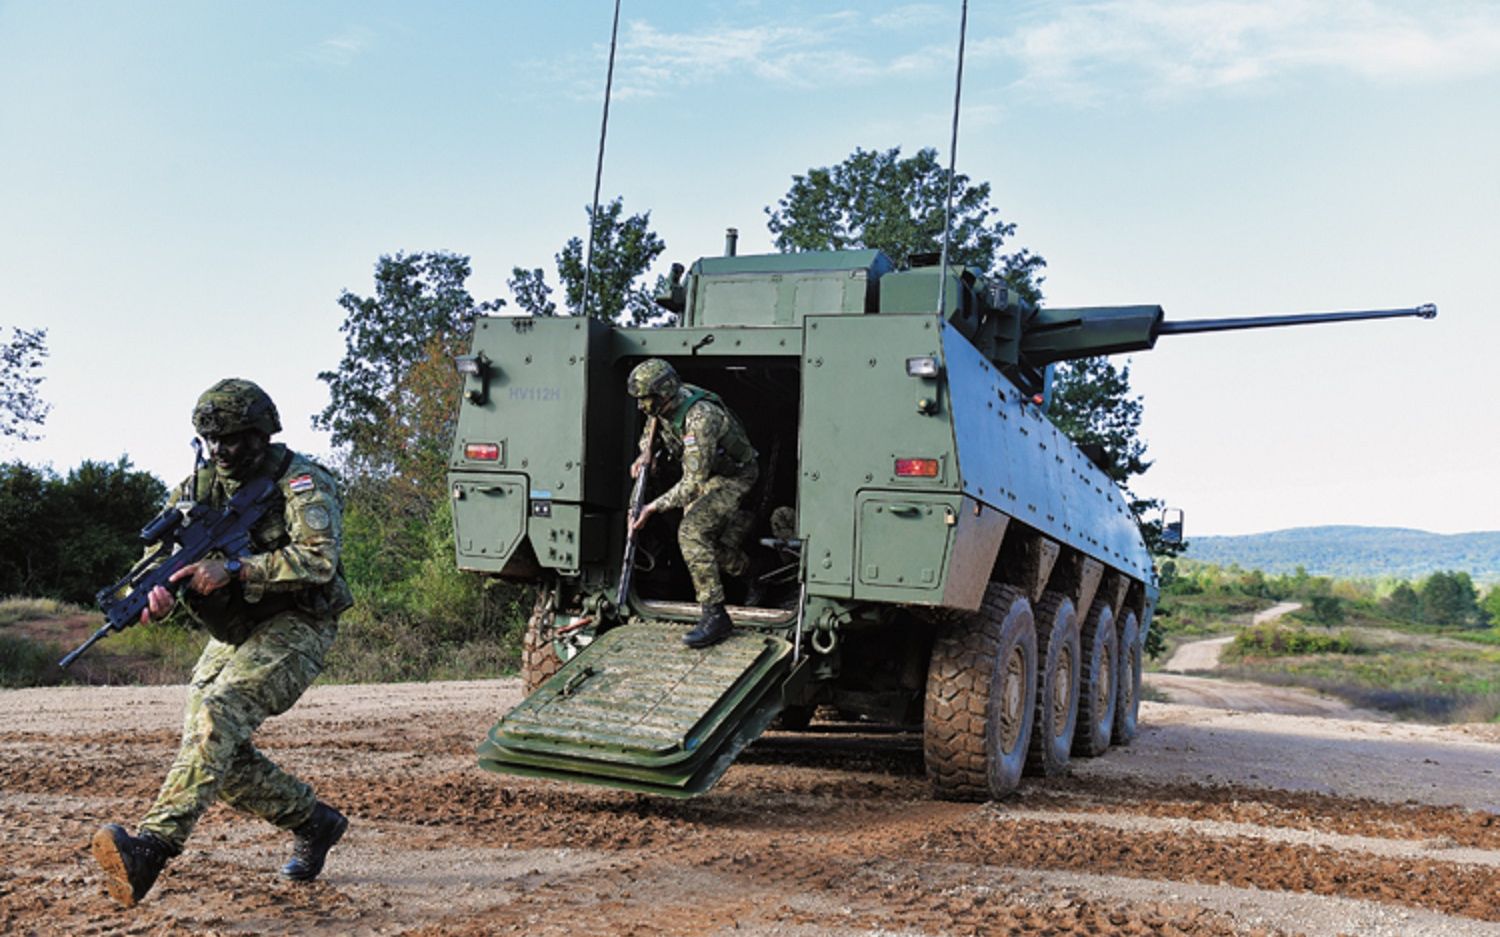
(183, 534)
(637, 501)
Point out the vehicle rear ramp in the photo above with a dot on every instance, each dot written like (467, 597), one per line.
(639, 710)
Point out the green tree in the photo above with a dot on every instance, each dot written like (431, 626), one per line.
(1327, 610)
(1491, 604)
(878, 200)
(102, 506)
(1449, 598)
(421, 309)
(24, 492)
(1404, 603)
(624, 249)
(66, 537)
(21, 406)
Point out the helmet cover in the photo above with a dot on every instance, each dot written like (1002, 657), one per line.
(234, 405)
(653, 378)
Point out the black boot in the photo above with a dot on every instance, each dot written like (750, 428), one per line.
(314, 838)
(713, 627)
(130, 863)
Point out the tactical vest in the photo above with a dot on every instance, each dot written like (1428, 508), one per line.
(225, 613)
(735, 444)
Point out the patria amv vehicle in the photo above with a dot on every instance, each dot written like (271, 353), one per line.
(929, 549)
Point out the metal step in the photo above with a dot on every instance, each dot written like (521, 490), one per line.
(639, 710)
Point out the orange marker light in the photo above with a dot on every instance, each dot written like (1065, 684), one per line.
(482, 451)
(917, 468)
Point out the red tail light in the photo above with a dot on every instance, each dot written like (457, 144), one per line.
(917, 468)
(482, 451)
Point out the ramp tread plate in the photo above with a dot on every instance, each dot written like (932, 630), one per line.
(638, 694)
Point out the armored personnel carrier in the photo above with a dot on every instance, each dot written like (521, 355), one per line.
(929, 549)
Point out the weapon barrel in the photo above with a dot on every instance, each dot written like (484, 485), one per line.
(1065, 334)
(1425, 311)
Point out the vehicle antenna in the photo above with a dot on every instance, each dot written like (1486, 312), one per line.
(958, 87)
(609, 82)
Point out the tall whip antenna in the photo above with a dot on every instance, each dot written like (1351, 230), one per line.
(958, 87)
(609, 83)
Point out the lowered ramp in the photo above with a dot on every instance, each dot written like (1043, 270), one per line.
(639, 710)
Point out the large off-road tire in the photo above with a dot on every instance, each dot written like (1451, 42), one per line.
(1057, 686)
(977, 716)
(1097, 689)
(1128, 701)
(539, 658)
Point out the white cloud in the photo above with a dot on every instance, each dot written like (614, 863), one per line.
(1089, 51)
(340, 51)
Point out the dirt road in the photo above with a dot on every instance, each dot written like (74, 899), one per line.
(1213, 822)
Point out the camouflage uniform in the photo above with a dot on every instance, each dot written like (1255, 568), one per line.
(270, 633)
(718, 470)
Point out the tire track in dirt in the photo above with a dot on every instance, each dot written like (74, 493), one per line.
(832, 833)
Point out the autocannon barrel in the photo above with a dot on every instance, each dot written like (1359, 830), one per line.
(1064, 334)
(1425, 311)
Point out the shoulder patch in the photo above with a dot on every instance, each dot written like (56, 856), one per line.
(690, 440)
(301, 483)
(317, 518)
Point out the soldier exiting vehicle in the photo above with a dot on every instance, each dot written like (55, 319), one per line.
(718, 470)
(272, 616)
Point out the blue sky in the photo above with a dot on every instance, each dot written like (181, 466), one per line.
(188, 187)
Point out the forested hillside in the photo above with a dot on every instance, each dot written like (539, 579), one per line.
(1356, 552)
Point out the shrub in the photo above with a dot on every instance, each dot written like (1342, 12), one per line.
(1273, 640)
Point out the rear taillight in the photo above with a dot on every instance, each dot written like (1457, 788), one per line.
(482, 451)
(917, 468)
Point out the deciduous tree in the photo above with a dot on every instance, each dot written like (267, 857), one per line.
(21, 406)
(421, 309)
(624, 249)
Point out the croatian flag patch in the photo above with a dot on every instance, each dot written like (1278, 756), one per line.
(301, 483)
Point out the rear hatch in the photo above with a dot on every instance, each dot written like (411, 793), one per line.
(639, 710)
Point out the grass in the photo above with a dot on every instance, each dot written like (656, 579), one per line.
(397, 646)
(1412, 676)
(22, 608)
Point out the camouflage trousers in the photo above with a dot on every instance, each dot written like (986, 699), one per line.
(234, 688)
(713, 528)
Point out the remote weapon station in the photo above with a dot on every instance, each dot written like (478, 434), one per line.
(928, 548)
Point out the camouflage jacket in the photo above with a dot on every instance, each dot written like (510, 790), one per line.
(294, 558)
(709, 440)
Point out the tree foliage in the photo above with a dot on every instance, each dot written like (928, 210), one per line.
(1449, 598)
(624, 250)
(379, 409)
(21, 406)
(878, 200)
(65, 537)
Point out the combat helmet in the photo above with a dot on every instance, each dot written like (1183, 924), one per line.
(234, 405)
(653, 378)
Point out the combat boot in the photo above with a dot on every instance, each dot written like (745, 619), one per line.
(314, 838)
(130, 863)
(713, 627)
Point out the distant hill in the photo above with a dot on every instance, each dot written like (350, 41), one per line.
(1356, 552)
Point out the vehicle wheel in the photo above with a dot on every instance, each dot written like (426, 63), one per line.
(539, 658)
(1057, 687)
(1128, 700)
(981, 681)
(1097, 690)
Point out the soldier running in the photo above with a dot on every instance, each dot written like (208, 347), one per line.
(272, 616)
(718, 470)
